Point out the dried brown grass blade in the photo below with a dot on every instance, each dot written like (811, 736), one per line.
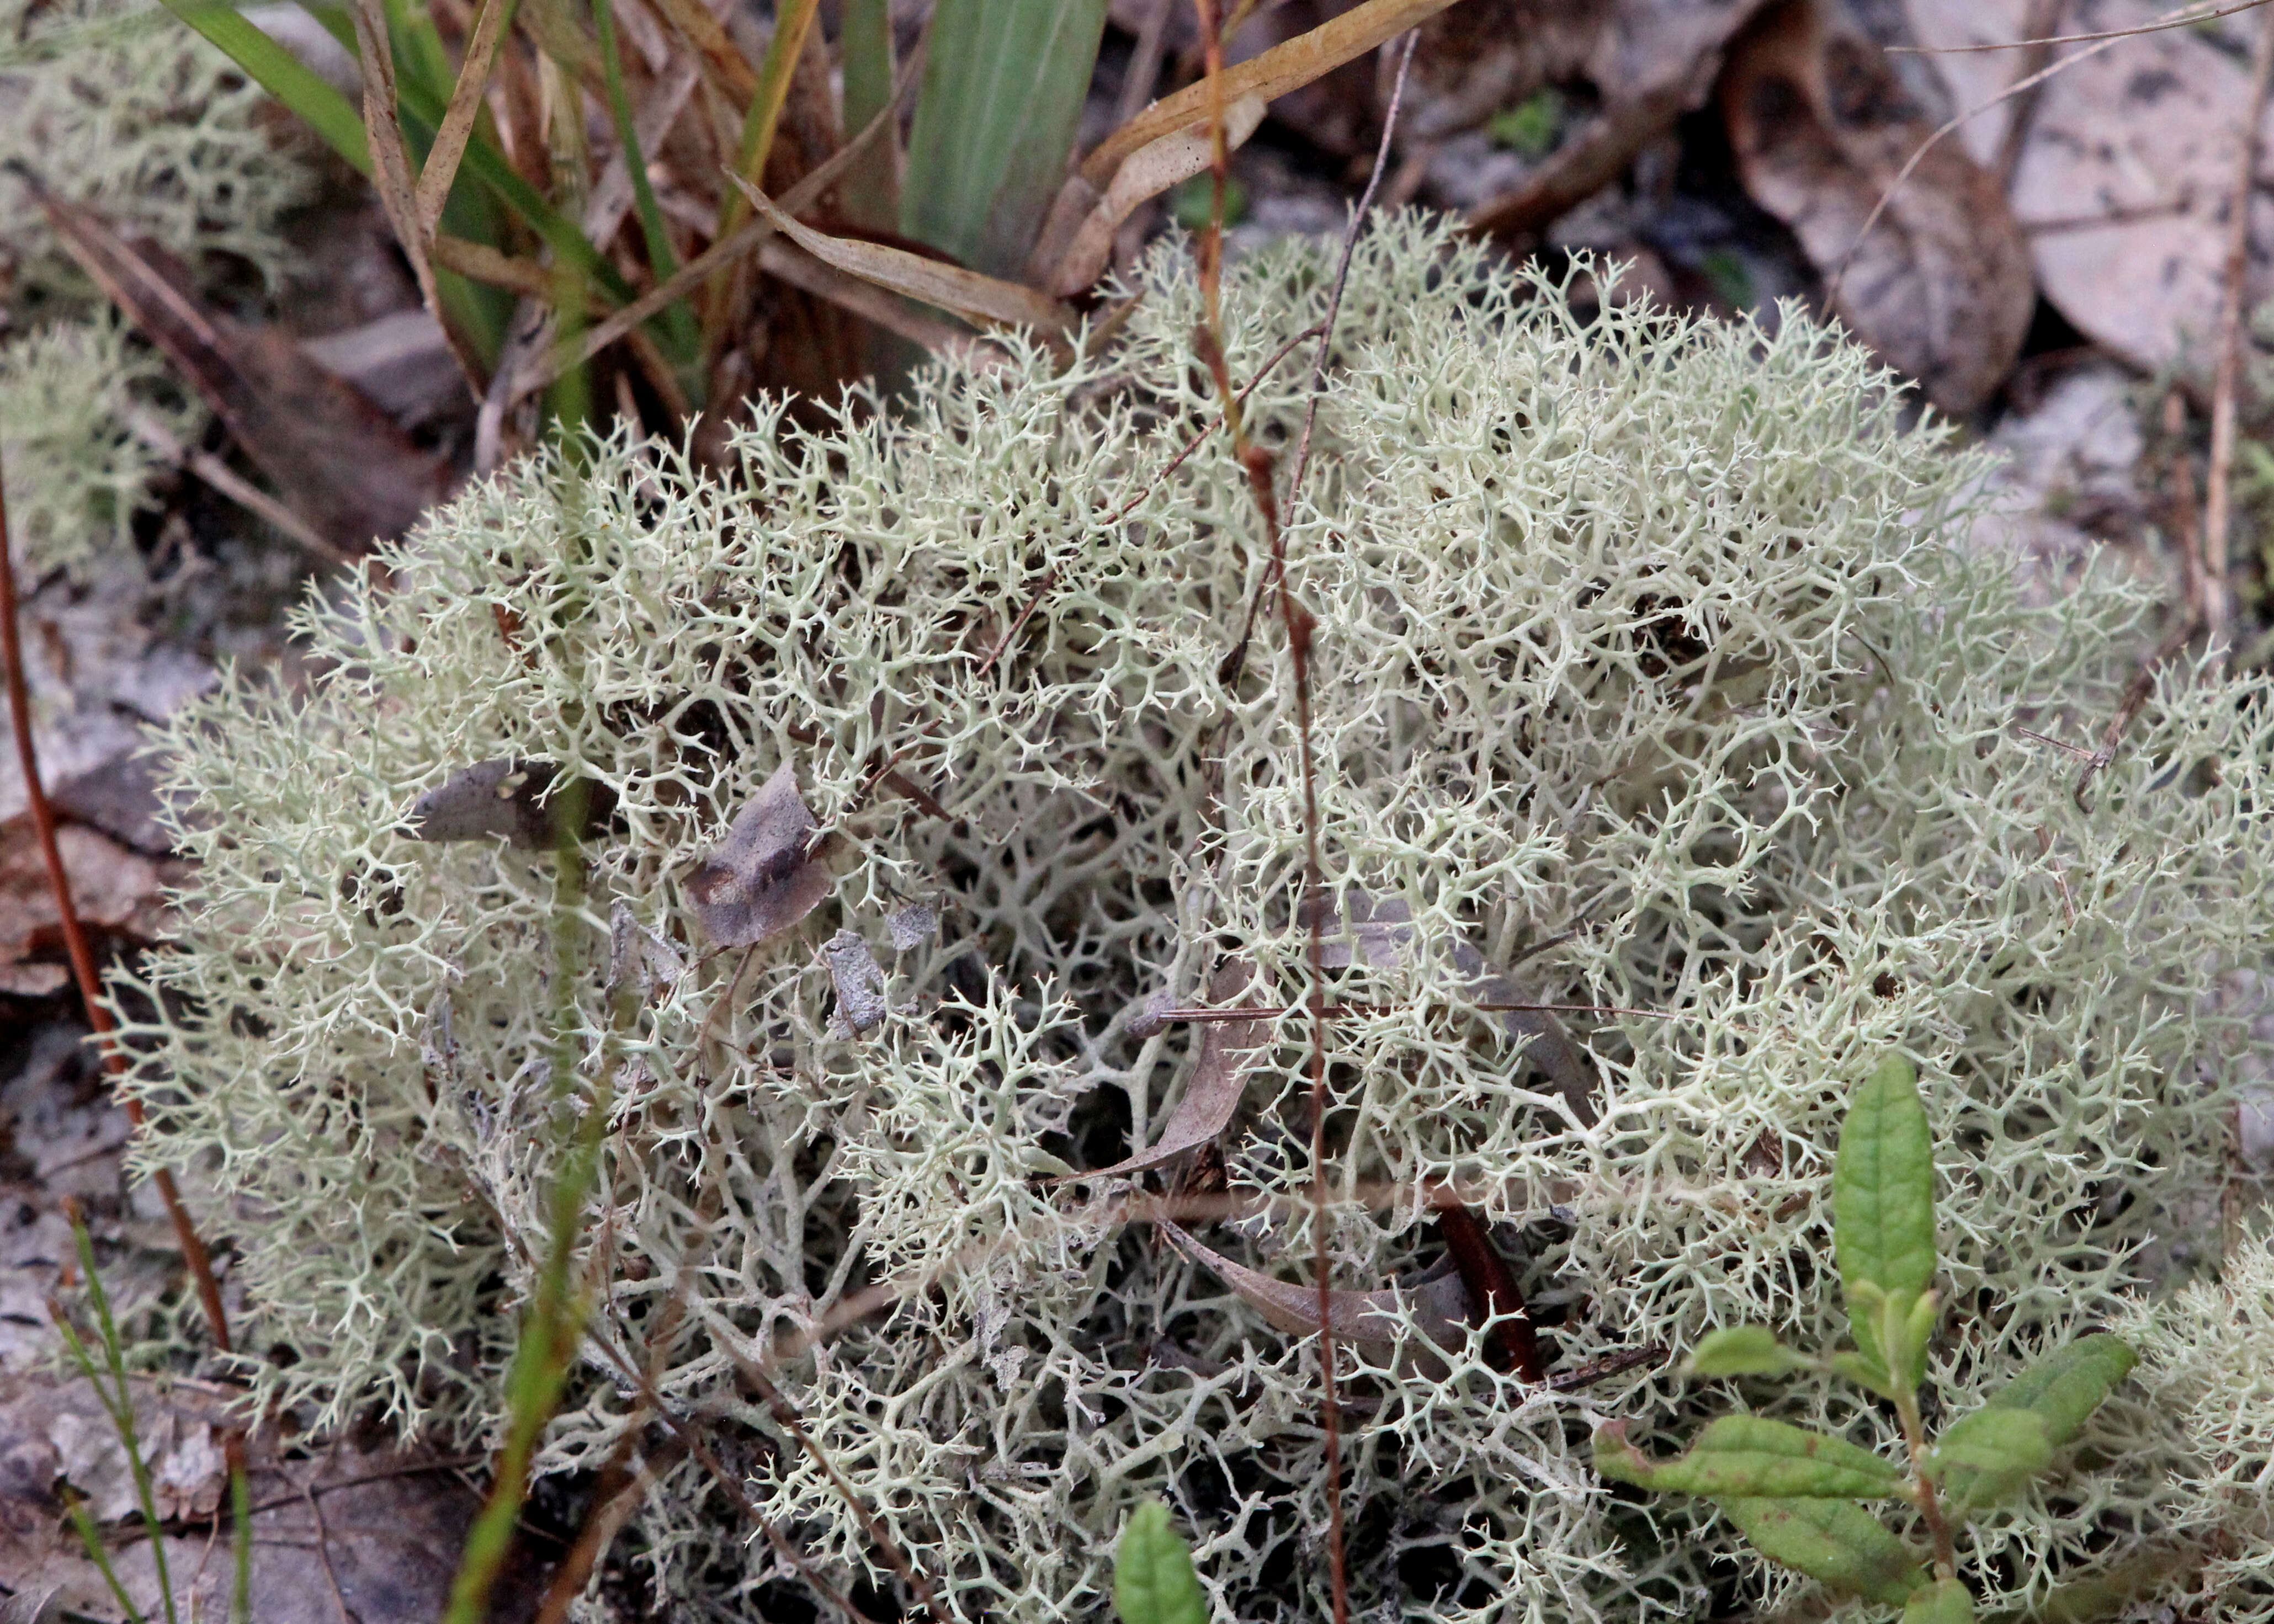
(726, 60)
(1145, 174)
(947, 287)
(864, 300)
(390, 166)
(480, 262)
(1229, 1050)
(339, 461)
(441, 166)
(1283, 68)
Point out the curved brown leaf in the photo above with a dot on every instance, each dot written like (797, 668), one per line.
(1373, 1322)
(1941, 286)
(759, 880)
(1228, 1049)
(506, 796)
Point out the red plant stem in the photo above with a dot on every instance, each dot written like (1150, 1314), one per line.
(82, 957)
(1492, 1286)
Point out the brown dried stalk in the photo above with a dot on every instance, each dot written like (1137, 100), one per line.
(82, 957)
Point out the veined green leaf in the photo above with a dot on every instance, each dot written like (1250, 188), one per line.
(1003, 88)
(1753, 1457)
(1153, 1577)
(282, 75)
(1991, 1439)
(1835, 1542)
(1744, 1350)
(2061, 1389)
(1883, 1198)
(1946, 1601)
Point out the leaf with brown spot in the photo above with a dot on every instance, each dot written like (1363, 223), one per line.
(1373, 1322)
(760, 881)
(1228, 1050)
(1941, 287)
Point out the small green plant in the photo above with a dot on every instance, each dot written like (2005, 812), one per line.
(112, 1386)
(1795, 1492)
(1153, 1577)
(1530, 127)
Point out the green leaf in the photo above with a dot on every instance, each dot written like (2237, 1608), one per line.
(1153, 1577)
(2061, 1389)
(1003, 89)
(1946, 1601)
(282, 75)
(1752, 1457)
(1835, 1542)
(1995, 1440)
(1883, 1198)
(1744, 1350)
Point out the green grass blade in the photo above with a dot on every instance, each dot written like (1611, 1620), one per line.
(121, 1408)
(91, 1537)
(282, 75)
(682, 343)
(240, 1539)
(1003, 90)
(792, 19)
(872, 186)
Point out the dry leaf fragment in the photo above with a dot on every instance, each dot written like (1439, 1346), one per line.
(859, 980)
(634, 950)
(1145, 174)
(1228, 1051)
(510, 797)
(2125, 173)
(1373, 1322)
(912, 926)
(1941, 287)
(759, 880)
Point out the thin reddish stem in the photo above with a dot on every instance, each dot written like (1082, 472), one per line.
(75, 944)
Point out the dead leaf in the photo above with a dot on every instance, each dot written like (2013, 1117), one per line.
(114, 892)
(948, 287)
(1145, 174)
(636, 953)
(336, 458)
(1380, 931)
(1228, 1051)
(1373, 1322)
(859, 980)
(1282, 68)
(912, 926)
(1821, 126)
(2125, 175)
(508, 797)
(760, 880)
(1649, 61)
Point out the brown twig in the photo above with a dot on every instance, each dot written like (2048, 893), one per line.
(2216, 610)
(82, 957)
(2183, 16)
(2044, 16)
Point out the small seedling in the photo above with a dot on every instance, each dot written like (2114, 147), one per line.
(1153, 1577)
(1530, 127)
(1795, 1492)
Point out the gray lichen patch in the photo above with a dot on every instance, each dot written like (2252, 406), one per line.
(1647, 679)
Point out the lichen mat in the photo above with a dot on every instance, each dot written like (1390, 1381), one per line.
(1647, 634)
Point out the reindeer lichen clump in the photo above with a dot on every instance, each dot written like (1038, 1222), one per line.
(1645, 679)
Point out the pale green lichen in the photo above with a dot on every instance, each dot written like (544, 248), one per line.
(120, 108)
(70, 395)
(1642, 658)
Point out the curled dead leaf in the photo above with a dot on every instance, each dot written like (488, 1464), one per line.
(1941, 286)
(760, 880)
(1145, 174)
(859, 980)
(1228, 1051)
(508, 797)
(1371, 1321)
